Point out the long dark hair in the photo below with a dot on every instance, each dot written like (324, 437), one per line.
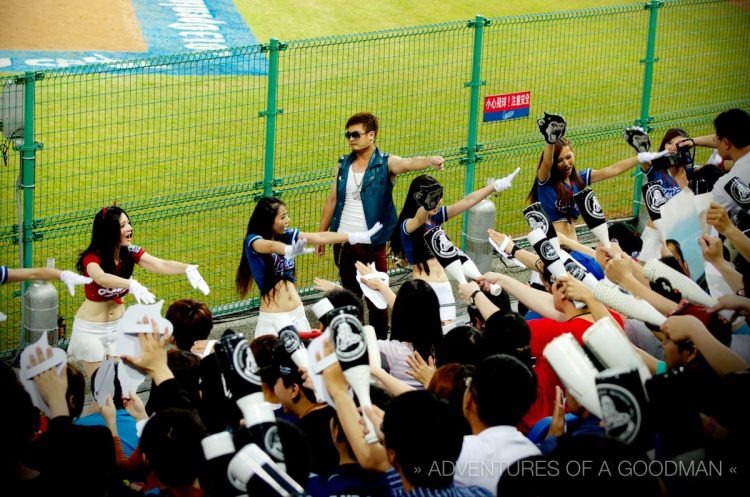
(555, 177)
(260, 223)
(671, 134)
(416, 317)
(105, 240)
(420, 251)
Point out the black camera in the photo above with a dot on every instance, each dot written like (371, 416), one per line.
(680, 158)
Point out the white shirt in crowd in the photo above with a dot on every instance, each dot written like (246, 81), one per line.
(484, 457)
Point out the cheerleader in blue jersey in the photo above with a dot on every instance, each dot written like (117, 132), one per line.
(557, 178)
(270, 247)
(672, 179)
(422, 211)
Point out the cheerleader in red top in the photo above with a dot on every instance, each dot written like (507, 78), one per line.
(109, 260)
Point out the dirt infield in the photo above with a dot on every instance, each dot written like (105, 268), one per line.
(70, 25)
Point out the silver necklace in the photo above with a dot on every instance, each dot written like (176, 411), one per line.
(358, 186)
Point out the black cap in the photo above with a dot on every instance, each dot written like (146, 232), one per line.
(283, 367)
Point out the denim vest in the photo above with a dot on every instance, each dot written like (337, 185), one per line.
(376, 194)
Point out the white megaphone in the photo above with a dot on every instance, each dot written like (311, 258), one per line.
(618, 299)
(575, 370)
(613, 349)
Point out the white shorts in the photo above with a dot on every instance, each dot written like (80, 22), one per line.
(92, 342)
(268, 322)
(444, 293)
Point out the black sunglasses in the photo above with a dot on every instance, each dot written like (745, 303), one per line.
(354, 134)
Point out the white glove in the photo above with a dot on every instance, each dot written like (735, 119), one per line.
(141, 293)
(503, 184)
(3, 317)
(195, 279)
(72, 279)
(297, 248)
(647, 157)
(364, 236)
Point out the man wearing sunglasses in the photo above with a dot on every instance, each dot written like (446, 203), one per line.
(361, 196)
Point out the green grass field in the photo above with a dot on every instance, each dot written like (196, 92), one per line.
(185, 154)
(291, 20)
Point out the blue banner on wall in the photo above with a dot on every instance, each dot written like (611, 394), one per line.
(168, 27)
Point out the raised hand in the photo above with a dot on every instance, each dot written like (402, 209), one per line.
(419, 369)
(51, 386)
(712, 248)
(134, 406)
(557, 425)
(153, 359)
(717, 217)
(637, 138)
(552, 127)
(503, 184)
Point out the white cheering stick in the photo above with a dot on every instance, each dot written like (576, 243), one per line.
(290, 339)
(689, 289)
(547, 252)
(612, 348)
(251, 462)
(455, 263)
(501, 250)
(653, 197)
(549, 256)
(593, 216)
(218, 449)
(537, 218)
(471, 271)
(445, 252)
(577, 270)
(616, 298)
(373, 350)
(350, 344)
(575, 370)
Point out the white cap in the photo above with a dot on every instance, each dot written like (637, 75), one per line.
(321, 307)
(217, 445)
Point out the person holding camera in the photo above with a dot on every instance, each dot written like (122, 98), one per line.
(671, 170)
(557, 179)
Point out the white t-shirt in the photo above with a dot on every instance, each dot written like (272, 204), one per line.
(395, 353)
(741, 170)
(484, 457)
(353, 215)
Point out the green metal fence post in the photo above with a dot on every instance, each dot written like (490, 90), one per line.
(648, 76)
(28, 162)
(472, 158)
(271, 112)
(28, 175)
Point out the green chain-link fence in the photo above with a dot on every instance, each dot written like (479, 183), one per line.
(187, 153)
